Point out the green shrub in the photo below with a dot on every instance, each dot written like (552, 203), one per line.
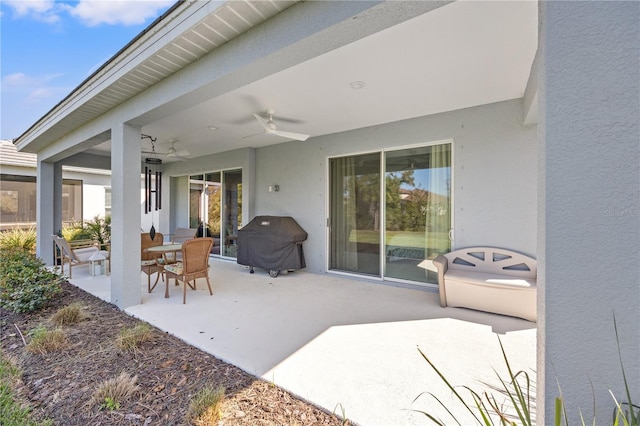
(18, 239)
(25, 282)
(97, 229)
(75, 232)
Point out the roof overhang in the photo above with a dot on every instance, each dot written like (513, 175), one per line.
(416, 58)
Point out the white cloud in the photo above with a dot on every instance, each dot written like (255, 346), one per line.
(40, 10)
(90, 12)
(26, 97)
(114, 12)
(32, 90)
(35, 97)
(26, 8)
(17, 79)
(21, 79)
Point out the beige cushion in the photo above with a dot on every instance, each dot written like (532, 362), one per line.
(175, 268)
(83, 254)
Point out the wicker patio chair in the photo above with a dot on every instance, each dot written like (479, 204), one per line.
(194, 265)
(149, 262)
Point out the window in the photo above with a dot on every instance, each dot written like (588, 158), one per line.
(18, 201)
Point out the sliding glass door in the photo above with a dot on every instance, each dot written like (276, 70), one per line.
(386, 226)
(215, 208)
(417, 209)
(355, 214)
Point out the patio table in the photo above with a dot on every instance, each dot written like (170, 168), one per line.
(164, 249)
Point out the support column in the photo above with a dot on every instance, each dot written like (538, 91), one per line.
(48, 208)
(125, 216)
(589, 206)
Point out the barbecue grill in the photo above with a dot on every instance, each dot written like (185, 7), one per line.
(273, 243)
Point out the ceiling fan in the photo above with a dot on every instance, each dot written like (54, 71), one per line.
(172, 152)
(271, 129)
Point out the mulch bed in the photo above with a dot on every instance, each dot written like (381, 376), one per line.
(59, 385)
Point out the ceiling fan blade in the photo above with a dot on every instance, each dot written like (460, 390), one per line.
(263, 122)
(289, 135)
(253, 135)
(181, 153)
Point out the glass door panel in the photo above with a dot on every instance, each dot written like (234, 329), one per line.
(196, 189)
(417, 209)
(232, 212)
(354, 232)
(213, 208)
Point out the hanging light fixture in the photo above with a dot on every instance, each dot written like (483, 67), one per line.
(152, 183)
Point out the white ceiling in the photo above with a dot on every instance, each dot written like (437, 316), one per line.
(464, 54)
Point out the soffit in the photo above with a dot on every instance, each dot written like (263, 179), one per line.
(124, 81)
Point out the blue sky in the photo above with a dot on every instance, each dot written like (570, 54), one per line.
(49, 47)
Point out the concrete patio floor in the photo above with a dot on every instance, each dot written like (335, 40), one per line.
(345, 345)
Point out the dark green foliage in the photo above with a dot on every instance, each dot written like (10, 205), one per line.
(25, 283)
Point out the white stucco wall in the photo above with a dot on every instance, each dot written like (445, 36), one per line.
(494, 175)
(589, 205)
(92, 201)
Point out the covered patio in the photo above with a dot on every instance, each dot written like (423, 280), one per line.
(536, 104)
(338, 343)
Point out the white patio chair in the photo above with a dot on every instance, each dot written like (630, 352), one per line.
(76, 253)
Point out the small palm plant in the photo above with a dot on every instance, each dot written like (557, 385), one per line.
(518, 388)
(99, 229)
(625, 413)
(485, 408)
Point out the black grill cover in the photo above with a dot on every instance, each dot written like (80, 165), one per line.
(272, 242)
